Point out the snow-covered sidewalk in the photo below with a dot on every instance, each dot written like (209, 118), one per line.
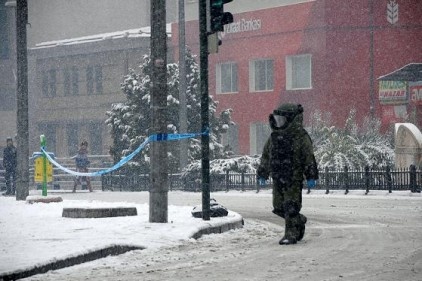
(32, 235)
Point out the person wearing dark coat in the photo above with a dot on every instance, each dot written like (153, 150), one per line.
(289, 159)
(82, 163)
(9, 164)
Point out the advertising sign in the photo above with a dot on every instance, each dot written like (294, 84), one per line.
(38, 171)
(415, 90)
(393, 92)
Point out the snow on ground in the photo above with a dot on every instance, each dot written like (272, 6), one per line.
(33, 234)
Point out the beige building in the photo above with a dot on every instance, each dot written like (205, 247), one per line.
(8, 74)
(76, 62)
(75, 83)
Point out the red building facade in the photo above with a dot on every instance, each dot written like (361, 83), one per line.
(325, 55)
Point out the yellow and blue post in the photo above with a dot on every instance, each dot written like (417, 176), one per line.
(43, 143)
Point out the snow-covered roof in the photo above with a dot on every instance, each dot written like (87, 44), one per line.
(409, 72)
(130, 33)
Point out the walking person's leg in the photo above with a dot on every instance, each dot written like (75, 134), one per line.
(88, 184)
(7, 176)
(76, 181)
(13, 181)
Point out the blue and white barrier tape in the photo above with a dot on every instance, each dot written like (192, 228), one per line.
(152, 138)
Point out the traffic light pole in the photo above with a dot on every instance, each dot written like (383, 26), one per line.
(205, 141)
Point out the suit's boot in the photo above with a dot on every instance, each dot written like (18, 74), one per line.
(290, 232)
(301, 227)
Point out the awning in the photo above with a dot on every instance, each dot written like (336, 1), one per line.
(411, 72)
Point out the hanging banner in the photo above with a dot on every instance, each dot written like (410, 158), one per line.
(393, 92)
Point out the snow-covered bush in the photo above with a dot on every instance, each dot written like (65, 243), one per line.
(350, 146)
(240, 164)
(130, 121)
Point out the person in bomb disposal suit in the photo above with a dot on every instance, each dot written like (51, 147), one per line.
(9, 164)
(288, 157)
(82, 164)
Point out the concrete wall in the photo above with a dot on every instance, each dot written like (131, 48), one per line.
(408, 145)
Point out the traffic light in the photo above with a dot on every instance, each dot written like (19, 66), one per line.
(217, 17)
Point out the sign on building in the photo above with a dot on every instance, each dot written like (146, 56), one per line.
(393, 92)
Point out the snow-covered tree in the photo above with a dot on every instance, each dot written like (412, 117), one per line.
(350, 146)
(240, 164)
(130, 121)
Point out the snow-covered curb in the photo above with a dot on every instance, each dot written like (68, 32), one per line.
(36, 238)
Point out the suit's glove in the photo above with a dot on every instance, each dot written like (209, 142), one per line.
(261, 181)
(311, 183)
(261, 173)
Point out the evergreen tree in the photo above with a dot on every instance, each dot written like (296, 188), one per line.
(350, 146)
(130, 121)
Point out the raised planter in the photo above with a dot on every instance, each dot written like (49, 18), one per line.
(99, 212)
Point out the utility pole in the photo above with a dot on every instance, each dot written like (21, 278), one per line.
(22, 177)
(205, 140)
(182, 86)
(158, 198)
(371, 60)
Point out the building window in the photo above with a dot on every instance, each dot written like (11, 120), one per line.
(230, 139)
(72, 139)
(75, 81)
(8, 99)
(227, 78)
(66, 82)
(96, 138)
(98, 79)
(94, 75)
(49, 131)
(4, 35)
(261, 75)
(49, 83)
(298, 72)
(90, 80)
(258, 136)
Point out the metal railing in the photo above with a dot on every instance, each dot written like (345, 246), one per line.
(364, 179)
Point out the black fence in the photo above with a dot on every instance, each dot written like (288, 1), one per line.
(363, 179)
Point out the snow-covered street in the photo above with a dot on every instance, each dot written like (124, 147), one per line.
(349, 237)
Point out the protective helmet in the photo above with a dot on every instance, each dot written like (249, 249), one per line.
(284, 115)
(9, 139)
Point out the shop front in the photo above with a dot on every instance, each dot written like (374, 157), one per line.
(400, 95)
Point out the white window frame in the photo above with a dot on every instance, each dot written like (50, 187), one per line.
(258, 134)
(219, 80)
(252, 77)
(293, 72)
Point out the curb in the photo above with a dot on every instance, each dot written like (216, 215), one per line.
(97, 254)
(109, 251)
(224, 227)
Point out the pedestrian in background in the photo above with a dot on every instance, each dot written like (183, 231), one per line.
(82, 164)
(9, 164)
(288, 158)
